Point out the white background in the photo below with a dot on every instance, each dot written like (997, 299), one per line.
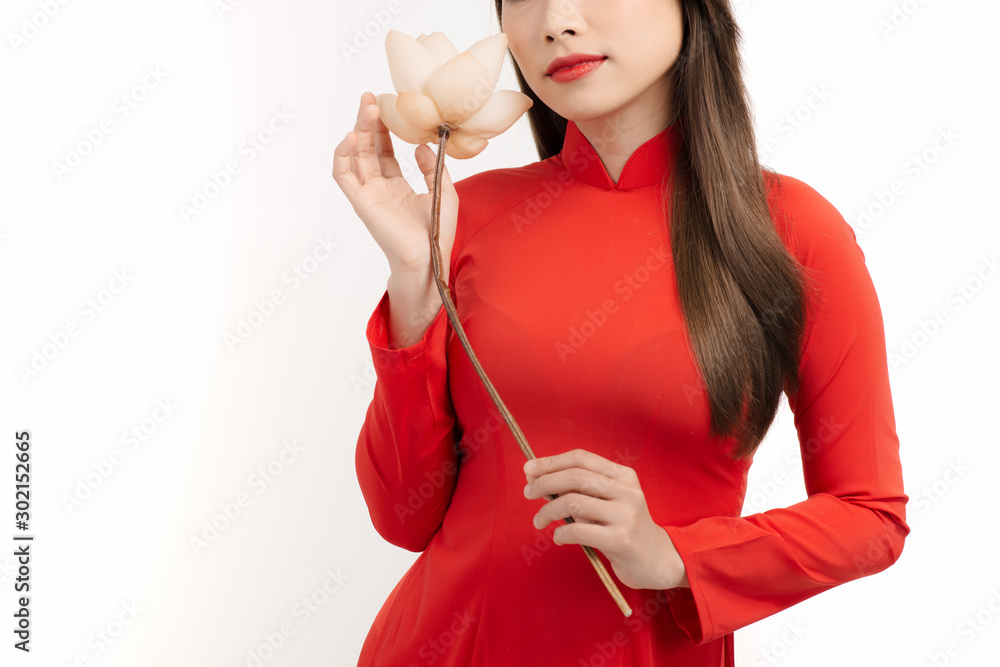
(114, 532)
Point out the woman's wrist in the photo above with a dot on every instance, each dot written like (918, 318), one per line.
(675, 574)
(414, 302)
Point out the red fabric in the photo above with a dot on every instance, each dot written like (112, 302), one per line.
(564, 285)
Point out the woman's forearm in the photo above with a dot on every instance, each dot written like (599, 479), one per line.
(414, 302)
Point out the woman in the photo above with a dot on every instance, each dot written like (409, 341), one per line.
(641, 297)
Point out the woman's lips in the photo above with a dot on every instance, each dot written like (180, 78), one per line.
(576, 71)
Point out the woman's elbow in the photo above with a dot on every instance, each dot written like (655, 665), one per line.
(885, 548)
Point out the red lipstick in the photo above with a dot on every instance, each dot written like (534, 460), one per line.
(573, 66)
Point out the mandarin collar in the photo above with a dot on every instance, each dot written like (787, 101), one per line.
(646, 166)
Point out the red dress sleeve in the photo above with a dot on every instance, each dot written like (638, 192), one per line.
(853, 524)
(405, 459)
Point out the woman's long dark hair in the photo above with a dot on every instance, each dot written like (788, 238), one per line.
(742, 293)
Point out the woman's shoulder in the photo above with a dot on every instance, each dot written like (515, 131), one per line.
(806, 220)
(486, 195)
(504, 185)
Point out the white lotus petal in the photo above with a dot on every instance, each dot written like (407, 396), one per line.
(390, 116)
(497, 115)
(463, 146)
(418, 111)
(490, 51)
(439, 46)
(410, 64)
(460, 88)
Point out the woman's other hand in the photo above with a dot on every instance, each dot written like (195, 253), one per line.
(609, 512)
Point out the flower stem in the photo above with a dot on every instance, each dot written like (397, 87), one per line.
(444, 131)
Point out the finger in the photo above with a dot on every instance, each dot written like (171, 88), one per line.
(342, 172)
(373, 132)
(365, 161)
(588, 534)
(574, 458)
(578, 480)
(582, 508)
(384, 150)
(427, 163)
(354, 145)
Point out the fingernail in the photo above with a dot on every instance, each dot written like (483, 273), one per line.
(527, 489)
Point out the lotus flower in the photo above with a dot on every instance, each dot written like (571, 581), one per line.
(435, 85)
